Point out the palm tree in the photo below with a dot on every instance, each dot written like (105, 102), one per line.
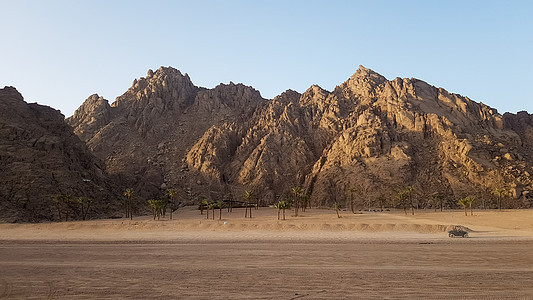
(164, 205)
(153, 207)
(409, 192)
(470, 200)
(157, 207)
(305, 201)
(219, 205)
(278, 206)
(464, 203)
(202, 201)
(499, 191)
(205, 203)
(212, 207)
(248, 196)
(402, 198)
(296, 191)
(283, 205)
(161, 207)
(286, 205)
(352, 198)
(129, 194)
(171, 193)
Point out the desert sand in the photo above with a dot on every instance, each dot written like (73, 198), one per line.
(379, 255)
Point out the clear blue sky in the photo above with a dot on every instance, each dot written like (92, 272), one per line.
(59, 52)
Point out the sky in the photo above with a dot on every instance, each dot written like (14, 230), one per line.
(58, 53)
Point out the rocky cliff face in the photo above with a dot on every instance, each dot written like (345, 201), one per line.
(40, 156)
(145, 135)
(369, 133)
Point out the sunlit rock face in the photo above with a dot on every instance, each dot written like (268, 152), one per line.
(369, 133)
(40, 156)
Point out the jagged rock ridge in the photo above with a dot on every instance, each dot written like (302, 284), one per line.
(374, 134)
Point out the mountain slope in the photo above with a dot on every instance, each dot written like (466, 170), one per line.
(40, 157)
(369, 133)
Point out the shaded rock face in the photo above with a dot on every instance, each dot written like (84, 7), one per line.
(40, 156)
(369, 133)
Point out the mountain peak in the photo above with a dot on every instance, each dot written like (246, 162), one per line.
(363, 81)
(169, 71)
(12, 92)
(165, 83)
(163, 74)
(363, 72)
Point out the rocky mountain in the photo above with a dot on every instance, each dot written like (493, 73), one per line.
(145, 135)
(40, 156)
(369, 133)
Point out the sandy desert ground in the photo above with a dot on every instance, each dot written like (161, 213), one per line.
(371, 255)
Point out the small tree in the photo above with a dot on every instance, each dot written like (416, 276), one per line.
(305, 201)
(256, 197)
(219, 205)
(153, 207)
(499, 191)
(70, 203)
(85, 204)
(205, 203)
(463, 203)
(402, 199)
(157, 207)
(173, 207)
(285, 205)
(202, 200)
(381, 201)
(469, 201)
(248, 197)
(369, 202)
(128, 203)
(63, 204)
(164, 204)
(278, 206)
(297, 192)
(409, 194)
(212, 207)
(352, 199)
(437, 198)
(336, 207)
(230, 201)
(59, 202)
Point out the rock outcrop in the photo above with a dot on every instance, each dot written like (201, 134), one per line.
(40, 156)
(369, 133)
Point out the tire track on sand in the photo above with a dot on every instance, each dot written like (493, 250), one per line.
(6, 288)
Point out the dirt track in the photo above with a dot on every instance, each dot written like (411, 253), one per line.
(266, 271)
